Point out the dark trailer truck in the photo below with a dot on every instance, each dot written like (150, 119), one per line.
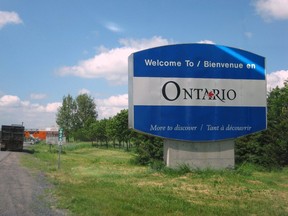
(12, 137)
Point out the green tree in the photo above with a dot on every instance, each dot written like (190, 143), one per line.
(269, 148)
(86, 112)
(275, 138)
(65, 117)
(111, 130)
(76, 116)
(148, 148)
(98, 131)
(122, 131)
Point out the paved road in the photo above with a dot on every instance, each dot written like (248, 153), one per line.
(3, 154)
(21, 191)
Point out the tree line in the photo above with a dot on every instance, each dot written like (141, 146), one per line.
(79, 119)
(269, 148)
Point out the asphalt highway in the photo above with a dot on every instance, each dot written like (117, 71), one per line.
(23, 192)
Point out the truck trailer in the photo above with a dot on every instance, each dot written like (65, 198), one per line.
(12, 137)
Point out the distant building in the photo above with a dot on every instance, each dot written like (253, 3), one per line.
(50, 135)
(35, 134)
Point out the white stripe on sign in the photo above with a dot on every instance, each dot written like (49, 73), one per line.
(198, 92)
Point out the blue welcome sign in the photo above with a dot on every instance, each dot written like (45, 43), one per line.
(197, 92)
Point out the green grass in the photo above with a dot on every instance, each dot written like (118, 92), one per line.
(96, 181)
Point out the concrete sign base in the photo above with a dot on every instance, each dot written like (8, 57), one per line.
(211, 155)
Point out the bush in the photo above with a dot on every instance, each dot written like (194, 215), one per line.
(148, 149)
(268, 148)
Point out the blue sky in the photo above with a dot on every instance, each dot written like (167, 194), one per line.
(49, 49)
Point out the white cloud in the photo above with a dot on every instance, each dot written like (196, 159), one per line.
(206, 42)
(111, 106)
(248, 34)
(276, 79)
(52, 107)
(49, 108)
(140, 44)
(83, 91)
(113, 27)
(111, 64)
(9, 100)
(36, 96)
(9, 18)
(272, 9)
(13, 111)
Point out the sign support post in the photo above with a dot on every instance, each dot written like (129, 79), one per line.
(59, 153)
(212, 155)
(60, 139)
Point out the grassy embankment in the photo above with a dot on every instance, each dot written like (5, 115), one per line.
(95, 181)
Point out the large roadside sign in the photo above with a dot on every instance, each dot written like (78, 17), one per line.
(197, 92)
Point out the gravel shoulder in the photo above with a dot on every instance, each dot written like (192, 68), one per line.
(23, 192)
